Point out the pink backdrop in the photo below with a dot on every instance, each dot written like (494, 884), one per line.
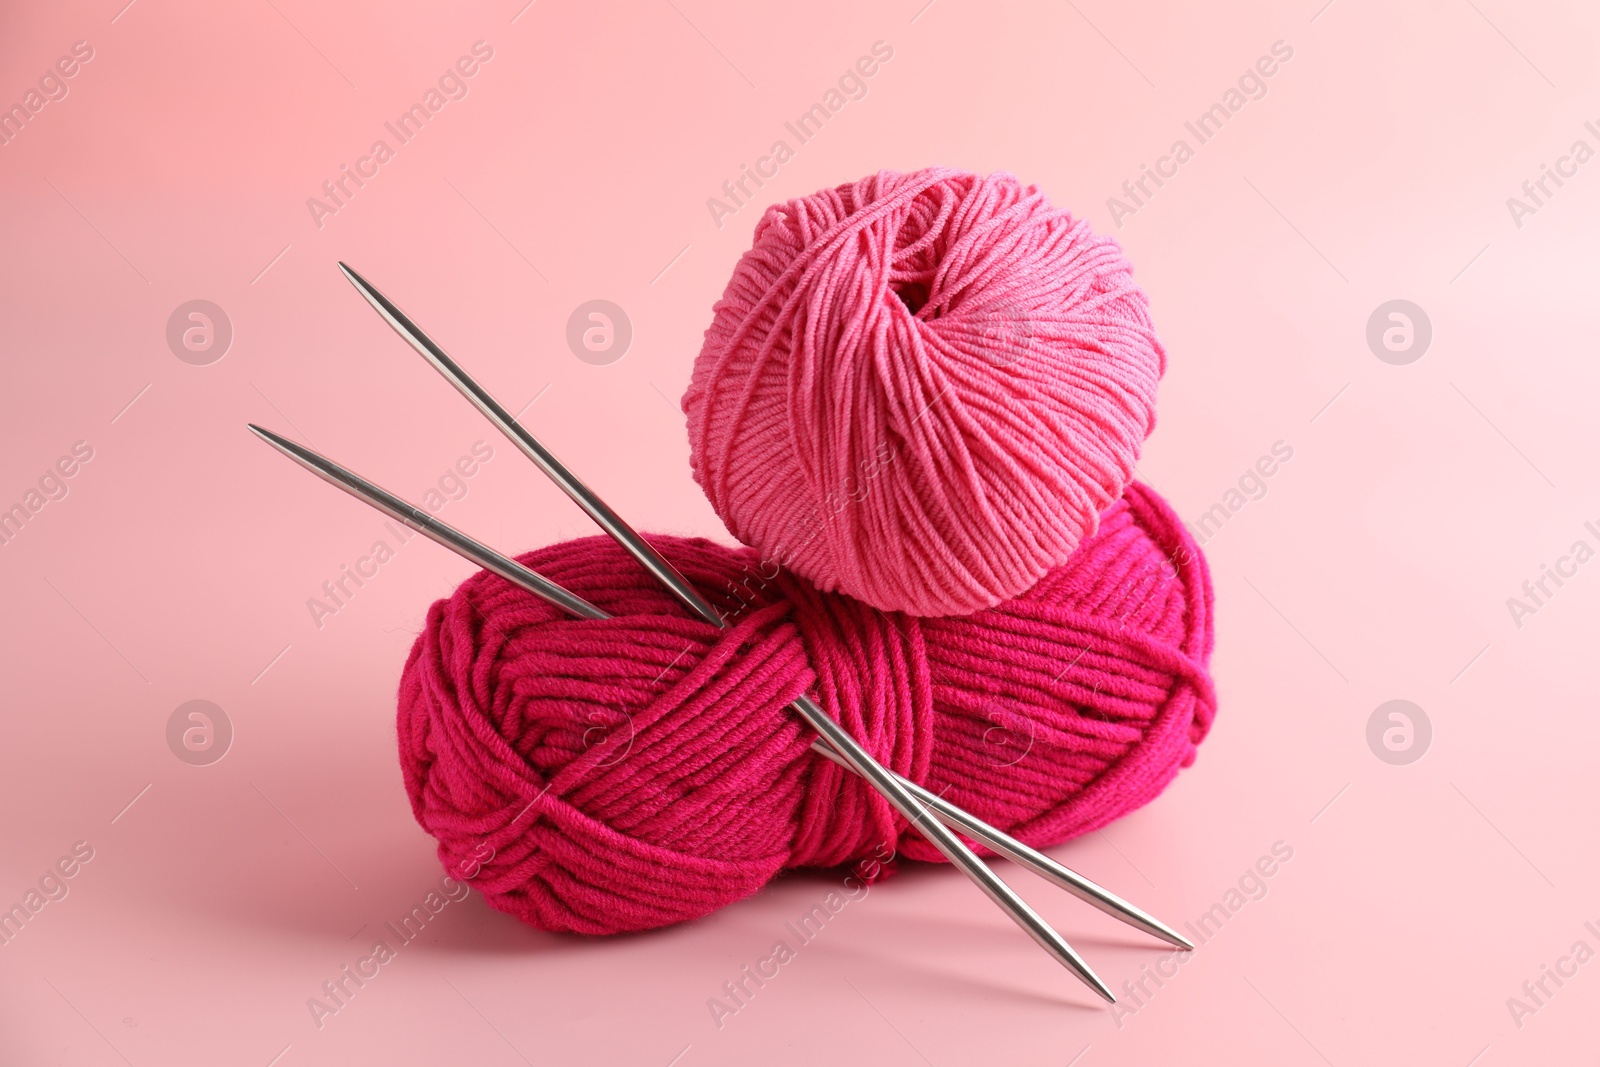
(209, 900)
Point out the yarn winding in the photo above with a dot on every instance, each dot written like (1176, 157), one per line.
(624, 774)
(988, 349)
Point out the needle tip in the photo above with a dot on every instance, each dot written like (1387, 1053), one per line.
(282, 444)
(1086, 975)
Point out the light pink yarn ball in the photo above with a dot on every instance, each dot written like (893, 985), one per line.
(921, 389)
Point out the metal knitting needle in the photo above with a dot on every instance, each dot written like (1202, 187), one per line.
(609, 521)
(1057, 874)
(888, 785)
(526, 578)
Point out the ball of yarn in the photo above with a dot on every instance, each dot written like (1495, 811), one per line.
(921, 389)
(624, 774)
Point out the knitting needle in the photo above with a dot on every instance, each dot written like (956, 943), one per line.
(562, 598)
(426, 524)
(887, 784)
(458, 542)
(1057, 874)
(609, 521)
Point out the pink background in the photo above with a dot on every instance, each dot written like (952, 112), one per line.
(177, 567)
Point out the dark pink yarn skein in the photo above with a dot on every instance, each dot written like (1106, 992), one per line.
(921, 389)
(624, 774)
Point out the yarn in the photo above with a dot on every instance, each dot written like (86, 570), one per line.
(624, 774)
(921, 389)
